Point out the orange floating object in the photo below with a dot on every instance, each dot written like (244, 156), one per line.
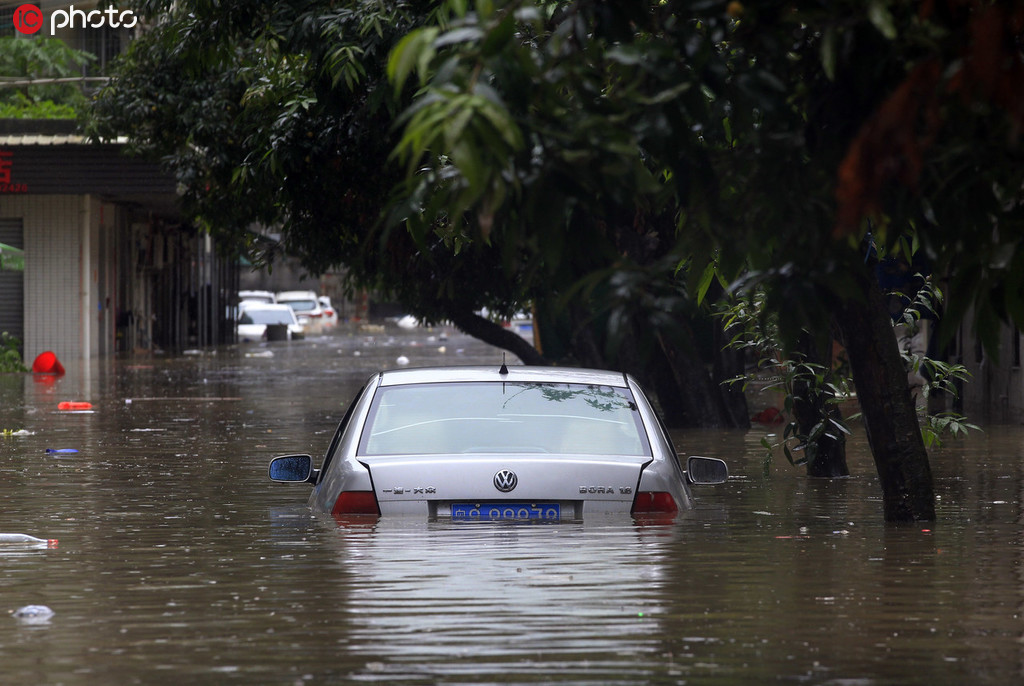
(47, 363)
(74, 405)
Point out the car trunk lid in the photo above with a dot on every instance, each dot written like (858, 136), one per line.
(430, 483)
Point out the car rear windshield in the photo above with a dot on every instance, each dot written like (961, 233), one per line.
(496, 417)
(301, 305)
(257, 316)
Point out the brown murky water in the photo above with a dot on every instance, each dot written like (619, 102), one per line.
(179, 562)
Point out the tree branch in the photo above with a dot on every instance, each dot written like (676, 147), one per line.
(489, 332)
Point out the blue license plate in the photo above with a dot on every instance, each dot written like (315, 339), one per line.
(487, 512)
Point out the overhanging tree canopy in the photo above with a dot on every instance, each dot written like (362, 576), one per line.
(579, 152)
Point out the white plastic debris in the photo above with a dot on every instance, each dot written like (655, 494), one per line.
(33, 614)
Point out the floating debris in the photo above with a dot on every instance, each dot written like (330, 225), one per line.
(33, 614)
(25, 539)
(73, 406)
(47, 363)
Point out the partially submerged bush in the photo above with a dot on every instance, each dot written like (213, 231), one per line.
(10, 358)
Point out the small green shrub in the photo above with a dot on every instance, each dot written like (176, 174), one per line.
(10, 358)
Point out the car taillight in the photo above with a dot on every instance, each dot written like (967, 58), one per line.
(659, 502)
(356, 502)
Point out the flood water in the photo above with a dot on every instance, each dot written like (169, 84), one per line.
(179, 562)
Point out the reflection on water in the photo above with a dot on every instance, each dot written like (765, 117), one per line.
(440, 599)
(178, 558)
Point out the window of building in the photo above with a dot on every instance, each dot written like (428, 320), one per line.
(7, 21)
(106, 43)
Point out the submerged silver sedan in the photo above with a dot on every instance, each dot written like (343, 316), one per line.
(492, 443)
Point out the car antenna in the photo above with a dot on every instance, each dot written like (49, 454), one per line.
(503, 370)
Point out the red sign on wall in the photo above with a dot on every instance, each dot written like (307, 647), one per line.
(6, 166)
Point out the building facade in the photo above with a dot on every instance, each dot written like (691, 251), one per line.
(108, 264)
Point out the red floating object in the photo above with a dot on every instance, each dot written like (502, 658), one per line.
(74, 405)
(770, 415)
(47, 363)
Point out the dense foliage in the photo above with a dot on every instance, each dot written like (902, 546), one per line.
(10, 357)
(45, 60)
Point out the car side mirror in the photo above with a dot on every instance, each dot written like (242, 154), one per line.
(293, 468)
(706, 470)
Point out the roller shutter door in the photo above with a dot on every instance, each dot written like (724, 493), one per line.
(12, 284)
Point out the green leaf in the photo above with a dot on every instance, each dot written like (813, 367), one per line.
(465, 34)
(498, 37)
(706, 278)
(502, 123)
(829, 52)
(413, 52)
(881, 17)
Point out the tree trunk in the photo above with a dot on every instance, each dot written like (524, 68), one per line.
(827, 457)
(700, 399)
(729, 364)
(888, 408)
(682, 385)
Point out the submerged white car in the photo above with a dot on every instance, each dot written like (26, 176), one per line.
(265, 297)
(307, 309)
(260, 322)
(493, 443)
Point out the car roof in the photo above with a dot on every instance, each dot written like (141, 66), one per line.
(516, 373)
(292, 295)
(257, 305)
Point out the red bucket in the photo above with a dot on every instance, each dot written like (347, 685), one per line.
(47, 363)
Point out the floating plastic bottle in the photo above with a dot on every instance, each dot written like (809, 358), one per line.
(25, 539)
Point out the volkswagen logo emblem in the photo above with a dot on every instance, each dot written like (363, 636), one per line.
(505, 480)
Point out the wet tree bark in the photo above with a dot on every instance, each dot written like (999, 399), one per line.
(888, 408)
(699, 400)
(730, 364)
